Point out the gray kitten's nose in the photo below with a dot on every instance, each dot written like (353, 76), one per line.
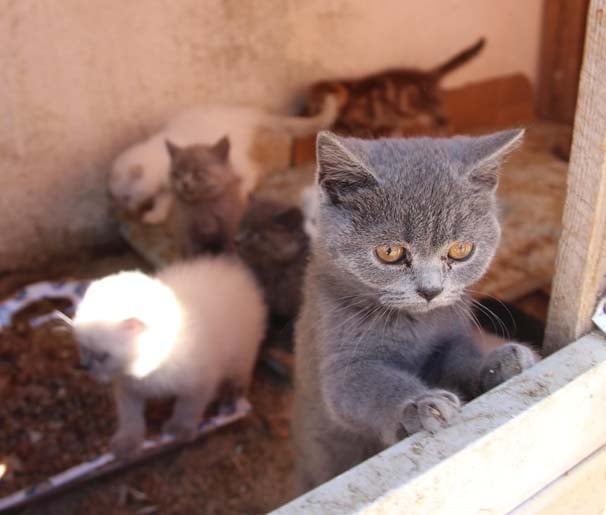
(429, 293)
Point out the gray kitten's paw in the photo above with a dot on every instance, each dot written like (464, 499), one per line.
(504, 362)
(125, 445)
(431, 411)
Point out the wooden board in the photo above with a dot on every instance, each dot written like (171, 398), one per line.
(581, 260)
(580, 490)
(563, 35)
(507, 445)
(501, 102)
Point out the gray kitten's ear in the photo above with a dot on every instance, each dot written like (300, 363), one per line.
(221, 148)
(487, 153)
(173, 150)
(340, 172)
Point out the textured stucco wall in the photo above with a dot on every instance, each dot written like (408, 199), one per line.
(83, 78)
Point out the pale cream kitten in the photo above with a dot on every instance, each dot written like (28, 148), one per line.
(139, 177)
(194, 328)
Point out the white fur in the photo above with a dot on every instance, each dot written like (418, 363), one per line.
(309, 203)
(204, 321)
(204, 125)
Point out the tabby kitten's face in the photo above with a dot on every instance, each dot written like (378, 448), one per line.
(199, 172)
(409, 222)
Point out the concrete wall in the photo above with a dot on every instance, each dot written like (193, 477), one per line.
(83, 78)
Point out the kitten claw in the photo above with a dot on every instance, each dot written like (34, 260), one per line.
(429, 411)
(505, 362)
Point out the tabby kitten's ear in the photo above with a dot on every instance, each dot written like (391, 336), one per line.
(173, 150)
(341, 174)
(486, 155)
(221, 148)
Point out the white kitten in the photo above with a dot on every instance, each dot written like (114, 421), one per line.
(193, 329)
(140, 175)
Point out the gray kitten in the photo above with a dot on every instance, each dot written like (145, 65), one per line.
(208, 202)
(384, 344)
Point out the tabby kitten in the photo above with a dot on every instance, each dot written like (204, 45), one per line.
(208, 201)
(384, 347)
(400, 102)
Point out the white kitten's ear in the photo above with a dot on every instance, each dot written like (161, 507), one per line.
(487, 154)
(221, 148)
(341, 173)
(133, 325)
(173, 150)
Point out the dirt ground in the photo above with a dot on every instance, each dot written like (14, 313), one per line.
(245, 468)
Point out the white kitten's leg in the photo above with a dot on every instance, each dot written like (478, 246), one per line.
(131, 422)
(161, 208)
(187, 414)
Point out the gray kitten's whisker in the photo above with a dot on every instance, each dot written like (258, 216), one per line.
(484, 294)
(492, 317)
(466, 314)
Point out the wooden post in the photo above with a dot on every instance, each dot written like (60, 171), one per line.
(581, 259)
(561, 55)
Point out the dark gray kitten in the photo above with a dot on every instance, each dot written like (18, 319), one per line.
(272, 242)
(384, 345)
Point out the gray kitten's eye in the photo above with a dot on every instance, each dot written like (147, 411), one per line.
(391, 254)
(460, 250)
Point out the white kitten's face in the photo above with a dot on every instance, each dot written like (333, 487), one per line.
(129, 187)
(107, 349)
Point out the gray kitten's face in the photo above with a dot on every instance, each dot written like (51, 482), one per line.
(199, 172)
(410, 223)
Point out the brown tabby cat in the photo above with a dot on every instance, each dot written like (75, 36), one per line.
(208, 199)
(399, 102)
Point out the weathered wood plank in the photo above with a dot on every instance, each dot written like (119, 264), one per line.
(561, 55)
(581, 490)
(508, 444)
(581, 260)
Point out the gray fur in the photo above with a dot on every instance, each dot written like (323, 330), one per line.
(375, 360)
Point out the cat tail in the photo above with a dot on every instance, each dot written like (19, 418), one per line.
(459, 59)
(306, 125)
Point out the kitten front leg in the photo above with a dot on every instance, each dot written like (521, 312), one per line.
(391, 403)
(429, 411)
(131, 422)
(161, 208)
(187, 414)
(505, 362)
